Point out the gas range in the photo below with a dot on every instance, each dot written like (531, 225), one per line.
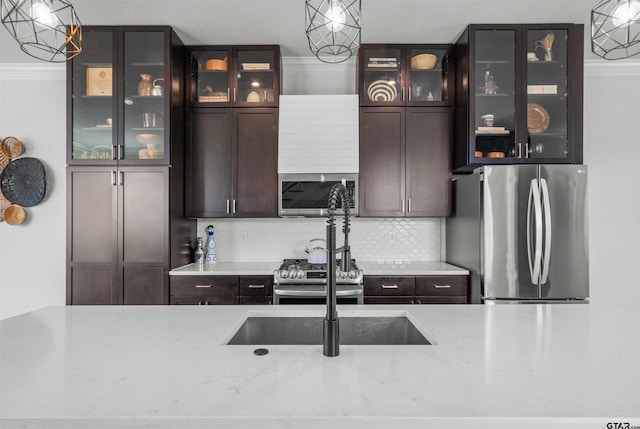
(297, 281)
(301, 271)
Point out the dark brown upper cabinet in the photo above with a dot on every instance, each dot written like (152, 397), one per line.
(405, 161)
(519, 95)
(405, 75)
(234, 76)
(124, 96)
(232, 162)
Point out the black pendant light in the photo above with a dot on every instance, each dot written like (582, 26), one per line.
(48, 30)
(615, 29)
(333, 28)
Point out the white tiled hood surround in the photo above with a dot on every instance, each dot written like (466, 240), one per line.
(379, 239)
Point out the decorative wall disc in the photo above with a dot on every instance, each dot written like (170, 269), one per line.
(23, 182)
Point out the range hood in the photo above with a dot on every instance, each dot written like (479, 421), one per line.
(318, 134)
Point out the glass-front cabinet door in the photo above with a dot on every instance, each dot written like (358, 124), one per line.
(493, 93)
(381, 75)
(93, 100)
(405, 75)
(427, 82)
(120, 93)
(256, 78)
(238, 76)
(519, 89)
(547, 134)
(210, 77)
(144, 103)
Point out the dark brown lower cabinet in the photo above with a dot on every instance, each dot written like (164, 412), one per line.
(204, 290)
(405, 165)
(416, 289)
(221, 290)
(232, 168)
(120, 235)
(256, 290)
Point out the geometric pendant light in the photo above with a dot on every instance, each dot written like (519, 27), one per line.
(615, 29)
(333, 28)
(48, 30)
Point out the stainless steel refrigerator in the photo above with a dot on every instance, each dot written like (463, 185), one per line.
(521, 230)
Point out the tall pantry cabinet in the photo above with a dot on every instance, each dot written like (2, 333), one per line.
(125, 176)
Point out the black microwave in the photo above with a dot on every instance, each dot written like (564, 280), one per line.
(308, 194)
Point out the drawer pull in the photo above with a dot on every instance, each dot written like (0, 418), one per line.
(203, 285)
(442, 286)
(389, 286)
(256, 286)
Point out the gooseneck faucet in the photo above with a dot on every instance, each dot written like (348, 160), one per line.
(331, 331)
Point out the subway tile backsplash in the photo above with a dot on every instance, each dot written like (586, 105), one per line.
(371, 239)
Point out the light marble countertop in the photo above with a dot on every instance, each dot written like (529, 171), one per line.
(498, 366)
(369, 267)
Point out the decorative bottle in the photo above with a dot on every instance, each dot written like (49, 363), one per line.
(489, 83)
(145, 85)
(199, 255)
(210, 256)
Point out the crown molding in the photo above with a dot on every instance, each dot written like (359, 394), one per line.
(612, 68)
(22, 71)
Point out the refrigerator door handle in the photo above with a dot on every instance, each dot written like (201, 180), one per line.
(547, 231)
(534, 197)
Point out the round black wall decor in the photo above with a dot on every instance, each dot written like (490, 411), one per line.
(23, 181)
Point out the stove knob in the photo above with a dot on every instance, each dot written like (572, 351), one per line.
(352, 274)
(300, 274)
(284, 274)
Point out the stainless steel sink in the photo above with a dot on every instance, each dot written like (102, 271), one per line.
(397, 330)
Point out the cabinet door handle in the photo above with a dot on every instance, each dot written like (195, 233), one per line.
(442, 286)
(419, 302)
(114, 150)
(228, 89)
(234, 206)
(113, 178)
(403, 205)
(121, 178)
(409, 94)
(526, 150)
(203, 285)
(234, 95)
(256, 286)
(228, 206)
(119, 151)
(389, 286)
(409, 201)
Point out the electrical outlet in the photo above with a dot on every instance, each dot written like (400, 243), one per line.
(244, 236)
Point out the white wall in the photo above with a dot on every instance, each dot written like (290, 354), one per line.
(32, 256)
(612, 151)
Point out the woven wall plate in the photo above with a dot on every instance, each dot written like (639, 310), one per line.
(23, 182)
(12, 147)
(14, 215)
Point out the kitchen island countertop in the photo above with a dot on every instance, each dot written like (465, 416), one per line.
(374, 268)
(499, 366)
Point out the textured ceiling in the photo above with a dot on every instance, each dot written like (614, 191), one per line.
(282, 21)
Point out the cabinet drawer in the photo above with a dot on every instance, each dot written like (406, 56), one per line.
(256, 285)
(225, 287)
(441, 285)
(379, 285)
